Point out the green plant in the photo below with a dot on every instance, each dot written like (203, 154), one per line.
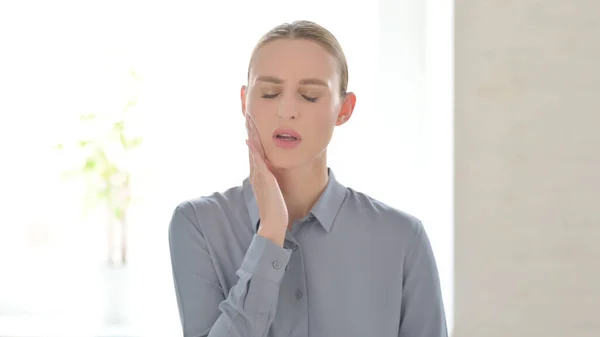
(105, 151)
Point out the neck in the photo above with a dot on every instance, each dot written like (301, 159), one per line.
(302, 186)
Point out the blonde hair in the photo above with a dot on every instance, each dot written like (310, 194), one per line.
(308, 30)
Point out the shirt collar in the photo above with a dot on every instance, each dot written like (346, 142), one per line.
(325, 209)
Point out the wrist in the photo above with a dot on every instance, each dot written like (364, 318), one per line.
(273, 233)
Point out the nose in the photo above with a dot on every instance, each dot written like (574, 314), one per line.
(288, 107)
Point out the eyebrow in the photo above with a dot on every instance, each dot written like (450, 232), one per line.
(305, 81)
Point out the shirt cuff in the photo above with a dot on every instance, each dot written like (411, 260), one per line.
(265, 259)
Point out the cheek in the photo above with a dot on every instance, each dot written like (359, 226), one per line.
(260, 112)
(257, 109)
(323, 122)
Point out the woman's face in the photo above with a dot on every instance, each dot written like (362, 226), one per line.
(293, 90)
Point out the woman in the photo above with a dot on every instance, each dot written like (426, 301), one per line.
(291, 251)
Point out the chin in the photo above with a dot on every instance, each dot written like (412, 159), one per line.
(291, 159)
(286, 163)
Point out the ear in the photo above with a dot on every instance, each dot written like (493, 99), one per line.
(346, 109)
(243, 93)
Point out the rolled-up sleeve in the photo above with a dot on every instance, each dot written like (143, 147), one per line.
(206, 309)
(422, 305)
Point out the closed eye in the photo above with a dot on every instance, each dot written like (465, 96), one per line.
(270, 96)
(310, 99)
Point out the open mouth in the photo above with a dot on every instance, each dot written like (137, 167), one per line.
(284, 136)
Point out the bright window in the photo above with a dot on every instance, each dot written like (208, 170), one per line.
(63, 60)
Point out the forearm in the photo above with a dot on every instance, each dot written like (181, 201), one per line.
(274, 232)
(205, 307)
(250, 305)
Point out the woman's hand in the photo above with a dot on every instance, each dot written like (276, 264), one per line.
(272, 208)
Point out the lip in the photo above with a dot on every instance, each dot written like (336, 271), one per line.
(287, 131)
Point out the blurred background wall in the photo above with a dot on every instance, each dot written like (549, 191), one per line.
(527, 188)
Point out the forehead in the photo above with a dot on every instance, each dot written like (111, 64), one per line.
(294, 59)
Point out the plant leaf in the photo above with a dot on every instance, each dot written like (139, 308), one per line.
(84, 143)
(135, 142)
(119, 126)
(90, 164)
(87, 117)
(119, 213)
(124, 141)
(131, 103)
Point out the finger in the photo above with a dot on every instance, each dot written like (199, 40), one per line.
(252, 129)
(254, 134)
(251, 157)
(249, 142)
(258, 160)
(250, 126)
(247, 123)
(253, 166)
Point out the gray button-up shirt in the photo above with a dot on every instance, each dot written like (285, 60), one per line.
(353, 267)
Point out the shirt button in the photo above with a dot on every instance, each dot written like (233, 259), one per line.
(294, 247)
(299, 294)
(276, 264)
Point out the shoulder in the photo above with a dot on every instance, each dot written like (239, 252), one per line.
(381, 214)
(207, 209)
